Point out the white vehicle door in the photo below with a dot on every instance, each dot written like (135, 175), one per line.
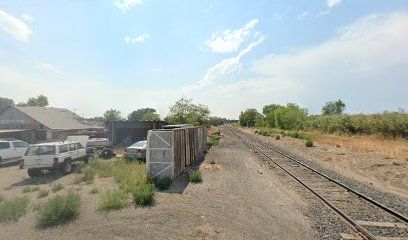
(82, 139)
(63, 152)
(73, 151)
(81, 150)
(19, 148)
(6, 151)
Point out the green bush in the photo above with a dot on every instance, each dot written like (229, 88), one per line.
(113, 200)
(59, 210)
(13, 209)
(195, 176)
(212, 161)
(42, 193)
(277, 137)
(26, 189)
(163, 183)
(144, 194)
(309, 143)
(94, 190)
(294, 135)
(89, 175)
(214, 140)
(1, 198)
(57, 187)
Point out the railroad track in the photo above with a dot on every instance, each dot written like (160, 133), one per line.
(367, 218)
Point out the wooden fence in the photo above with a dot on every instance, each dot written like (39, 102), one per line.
(132, 130)
(169, 152)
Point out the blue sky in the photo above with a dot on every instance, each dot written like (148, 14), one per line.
(91, 55)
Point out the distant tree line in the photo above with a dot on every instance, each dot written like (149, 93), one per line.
(332, 120)
(183, 111)
(40, 100)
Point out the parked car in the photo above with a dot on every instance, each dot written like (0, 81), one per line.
(136, 150)
(54, 156)
(11, 150)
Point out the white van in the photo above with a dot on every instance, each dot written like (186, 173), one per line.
(54, 156)
(11, 150)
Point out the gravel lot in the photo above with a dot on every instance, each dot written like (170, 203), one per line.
(240, 198)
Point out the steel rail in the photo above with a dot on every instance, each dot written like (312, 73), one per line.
(358, 228)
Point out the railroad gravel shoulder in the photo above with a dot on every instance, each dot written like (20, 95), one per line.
(393, 201)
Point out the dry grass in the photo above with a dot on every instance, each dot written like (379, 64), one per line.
(388, 148)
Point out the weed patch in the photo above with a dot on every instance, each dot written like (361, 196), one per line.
(26, 189)
(163, 183)
(143, 195)
(113, 200)
(13, 209)
(212, 161)
(57, 187)
(94, 190)
(214, 140)
(195, 176)
(309, 143)
(59, 210)
(42, 193)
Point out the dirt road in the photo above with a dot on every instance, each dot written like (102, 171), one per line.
(238, 199)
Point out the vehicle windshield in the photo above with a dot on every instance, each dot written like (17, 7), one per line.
(40, 150)
(139, 144)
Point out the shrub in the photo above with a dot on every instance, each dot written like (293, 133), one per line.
(195, 176)
(309, 143)
(1, 198)
(94, 190)
(13, 209)
(277, 137)
(213, 141)
(59, 210)
(113, 200)
(89, 175)
(56, 187)
(144, 194)
(42, 193)
(129, 175)
(79, 167)
(34, 189)
(163, 183)
(26, 189)
(212, 161)
(256, 131)
(294, 135)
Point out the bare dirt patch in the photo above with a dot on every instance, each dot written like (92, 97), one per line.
(239, 198)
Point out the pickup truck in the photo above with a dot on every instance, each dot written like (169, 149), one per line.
(54, 156)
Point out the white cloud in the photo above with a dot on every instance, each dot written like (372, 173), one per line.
(15, 27)
(137, 39)
(127, 5)
(303, 15)
(48, 67)
(230, 40)
(27, 17)
(225, 67)
(364, 64)
(333, 3)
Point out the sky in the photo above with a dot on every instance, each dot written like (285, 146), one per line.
(92, 55)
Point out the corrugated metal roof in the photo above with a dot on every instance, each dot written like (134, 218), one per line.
(55, 118)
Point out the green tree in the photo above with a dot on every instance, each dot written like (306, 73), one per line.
(144, 114)
(5, 102)
(268, 111)
(333, 108)
(185, 112)
(290, 117)
(249, 117)
(112, 115)
(41, 101)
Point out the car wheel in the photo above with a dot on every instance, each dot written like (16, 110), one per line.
(66, 168)
(33, 172)
(89, 159)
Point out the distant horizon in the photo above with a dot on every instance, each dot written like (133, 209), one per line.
(95, 55)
